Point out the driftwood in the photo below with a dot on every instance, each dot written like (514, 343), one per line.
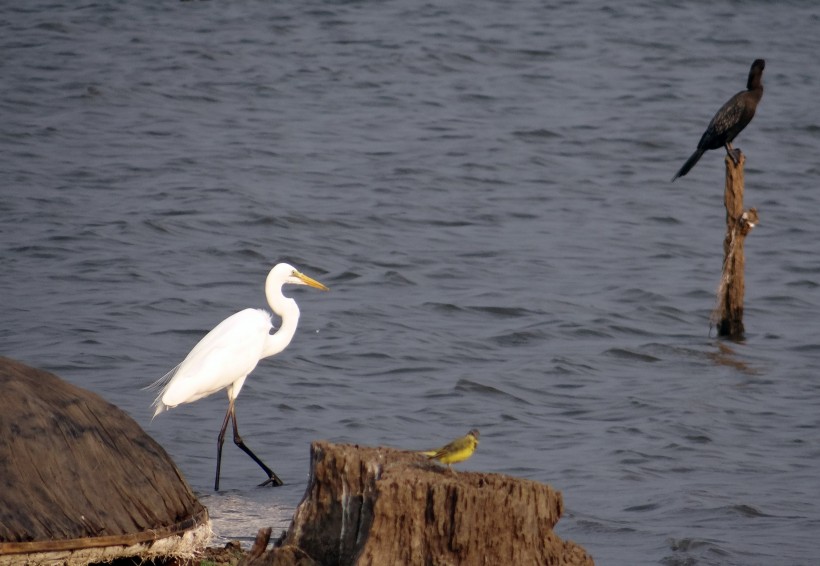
(377, 506)
(728, 314)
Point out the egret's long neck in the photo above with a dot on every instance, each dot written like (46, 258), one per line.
(288, 311)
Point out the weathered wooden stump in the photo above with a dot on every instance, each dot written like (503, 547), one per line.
(377, 506)
(81, 482)
(728, 313)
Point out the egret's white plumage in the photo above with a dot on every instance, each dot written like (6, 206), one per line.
(222, 359)
(228, 353)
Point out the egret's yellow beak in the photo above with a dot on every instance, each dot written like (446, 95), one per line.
(310, 281)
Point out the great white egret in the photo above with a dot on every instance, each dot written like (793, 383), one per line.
(456, 451)
(229, 352)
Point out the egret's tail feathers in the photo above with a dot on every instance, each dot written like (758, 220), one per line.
(689, 163)
(162, 381)
(160, 407)
(161, 385)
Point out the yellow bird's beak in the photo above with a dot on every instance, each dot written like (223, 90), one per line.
(309, 281)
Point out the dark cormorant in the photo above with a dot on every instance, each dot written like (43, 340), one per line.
(730, 119)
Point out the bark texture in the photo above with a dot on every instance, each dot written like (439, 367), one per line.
(377, 506)
(728, 314)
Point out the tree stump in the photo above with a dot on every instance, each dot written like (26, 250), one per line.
(728, 314)
(377, 506)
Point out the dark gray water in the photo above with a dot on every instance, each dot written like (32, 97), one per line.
(485, 188)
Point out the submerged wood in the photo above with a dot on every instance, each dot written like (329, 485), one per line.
(728, 314)
(376, 506)
(77, 473)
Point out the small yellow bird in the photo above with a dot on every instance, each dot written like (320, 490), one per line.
(457, 451)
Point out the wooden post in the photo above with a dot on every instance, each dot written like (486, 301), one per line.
(728, 314)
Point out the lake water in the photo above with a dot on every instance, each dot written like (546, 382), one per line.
(484, 186)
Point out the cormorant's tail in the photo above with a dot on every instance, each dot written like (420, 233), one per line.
(689, 163)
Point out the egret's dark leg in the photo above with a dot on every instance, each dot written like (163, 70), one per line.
(220, 441)
(273, 479)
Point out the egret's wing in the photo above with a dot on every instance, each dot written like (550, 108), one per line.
(249, 324)
(227, 353)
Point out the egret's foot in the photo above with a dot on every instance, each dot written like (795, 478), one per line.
(272, 481)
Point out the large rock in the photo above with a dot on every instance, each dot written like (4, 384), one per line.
(377, 506)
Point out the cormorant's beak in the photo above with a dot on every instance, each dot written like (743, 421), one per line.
(309, 281)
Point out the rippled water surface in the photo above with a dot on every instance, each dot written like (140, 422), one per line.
(485, 188)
